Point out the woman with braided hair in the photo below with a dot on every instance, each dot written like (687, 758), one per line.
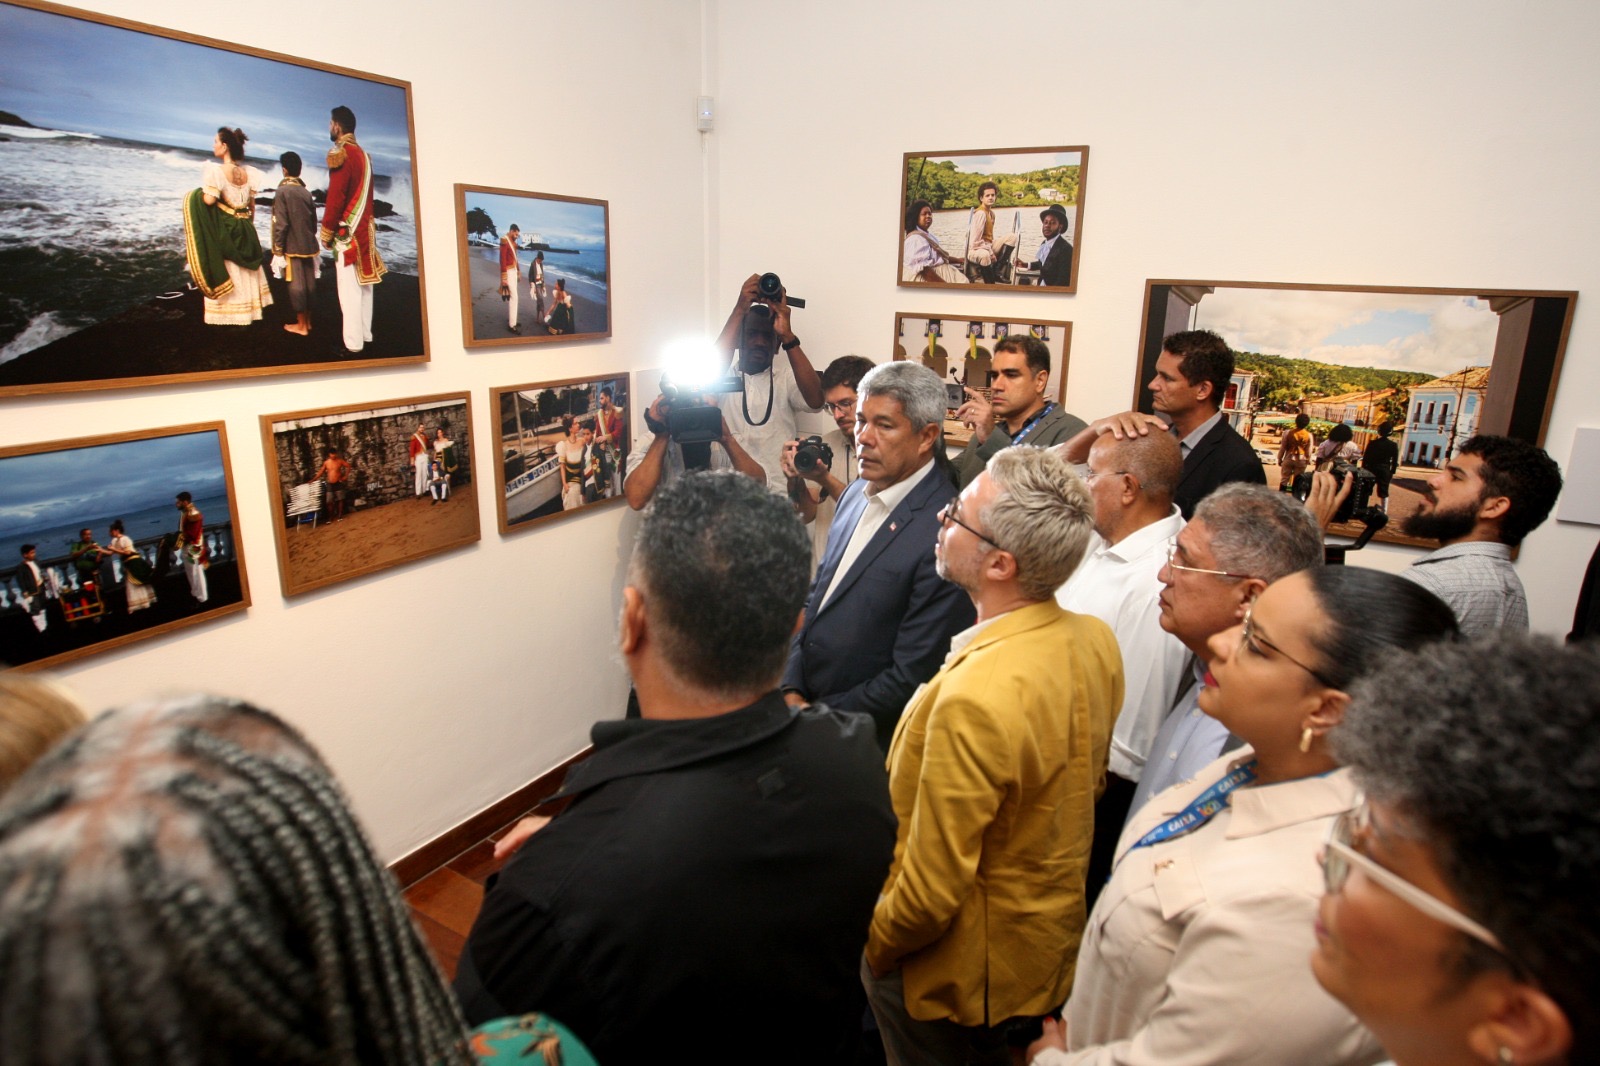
(183, 882)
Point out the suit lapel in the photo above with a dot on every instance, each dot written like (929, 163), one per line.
(851, 505)
(893, 526)
(1196, 458)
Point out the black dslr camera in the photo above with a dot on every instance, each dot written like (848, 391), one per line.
(812, 456)
(690, 419)
(770, 288)
(1357, 507)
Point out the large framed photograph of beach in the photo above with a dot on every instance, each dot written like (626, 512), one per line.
(563, 447)
(137, 243)
(363, 488)
(1410, 373)
(535, 267)
(1009, 218)
(109, 540)
(960, 349)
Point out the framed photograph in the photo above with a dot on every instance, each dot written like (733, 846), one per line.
(114, 539)
(535, 267)
(361, 489)
(1007, 218)
(563, 447)
(1425, 368)
(148, 254)
(960, 349)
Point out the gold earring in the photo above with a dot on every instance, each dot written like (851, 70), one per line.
(1306, 736)
(1504, 1057)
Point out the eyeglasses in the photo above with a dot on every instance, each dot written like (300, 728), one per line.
(1249, 638)
(842, 407)
(1090, 475)
(1173, 564)
(947, 513)
(1339, 855)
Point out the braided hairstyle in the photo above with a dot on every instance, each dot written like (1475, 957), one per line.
(183, 882)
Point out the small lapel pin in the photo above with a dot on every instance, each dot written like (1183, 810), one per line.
(893, 526)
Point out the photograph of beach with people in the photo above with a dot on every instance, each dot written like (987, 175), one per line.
(361, 489)
(563, 447)
(534, 266)
(109, 540)
(1388, 380)
(1006, 217)
(102, 144)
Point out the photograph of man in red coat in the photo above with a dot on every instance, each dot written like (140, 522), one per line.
(510, 274)
(348, 230)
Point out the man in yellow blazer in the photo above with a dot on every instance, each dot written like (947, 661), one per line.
(993, 771)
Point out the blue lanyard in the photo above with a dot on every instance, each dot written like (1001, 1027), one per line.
(1034, 421)
(1202, 810)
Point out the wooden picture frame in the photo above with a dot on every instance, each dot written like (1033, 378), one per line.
(921, 335)
(536, 483)
(951, 252)
(51, 491)
(568, 238)
(389, 514)
(1438, 364)
(111, 300)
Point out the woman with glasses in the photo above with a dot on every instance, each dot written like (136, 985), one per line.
(1459, 919)
(1196, 950)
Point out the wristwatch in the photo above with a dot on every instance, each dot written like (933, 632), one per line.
(790, 346)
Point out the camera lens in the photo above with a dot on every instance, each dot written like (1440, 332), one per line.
(769, 286)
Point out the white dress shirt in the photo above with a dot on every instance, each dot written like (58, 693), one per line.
(879, 505)
(1117, 584)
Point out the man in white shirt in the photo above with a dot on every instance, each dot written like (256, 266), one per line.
(1135, 521)
(879, 619)
(762, 417)
(1241, 539)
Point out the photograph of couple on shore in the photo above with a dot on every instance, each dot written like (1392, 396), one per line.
(534, 266)
(1002, 218)
(148, 238)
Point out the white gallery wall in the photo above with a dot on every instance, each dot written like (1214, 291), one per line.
(1403, 143)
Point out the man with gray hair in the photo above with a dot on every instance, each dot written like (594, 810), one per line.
(879, 619)
(1242, 538)
(722, 853)
(993, 775)
(1131, 481)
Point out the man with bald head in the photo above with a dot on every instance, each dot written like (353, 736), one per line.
(1130, 482)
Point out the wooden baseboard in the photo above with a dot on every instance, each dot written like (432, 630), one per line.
(414, 866)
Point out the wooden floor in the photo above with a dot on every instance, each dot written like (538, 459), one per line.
(446, 901)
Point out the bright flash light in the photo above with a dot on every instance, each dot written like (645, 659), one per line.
(692, 362)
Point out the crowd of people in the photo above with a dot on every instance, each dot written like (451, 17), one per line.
(1071, 750)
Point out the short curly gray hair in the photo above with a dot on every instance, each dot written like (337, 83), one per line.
(1043, 517)
(1259, 532)
(1488, 748)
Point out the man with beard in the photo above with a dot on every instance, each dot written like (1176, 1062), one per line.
(1489, 495)
(816, 505)
(1015, 411)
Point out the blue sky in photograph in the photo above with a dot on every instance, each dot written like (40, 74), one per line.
(559, 222)
(1381, 328)
(85, 77)
(36, 490)
(1013, 163)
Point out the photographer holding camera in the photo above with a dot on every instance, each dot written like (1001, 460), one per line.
(762, 416)
(657, 458)
(835, 449)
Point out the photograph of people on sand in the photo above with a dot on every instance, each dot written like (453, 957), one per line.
(563, 447)
(999, 217)
(361, 489)
(184, 209)
(1391, 380)
(960, 350)
(113, 539)
(535, 267)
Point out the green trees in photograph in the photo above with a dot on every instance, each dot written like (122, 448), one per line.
(1283, 382)
(479, 223)
(943, 186)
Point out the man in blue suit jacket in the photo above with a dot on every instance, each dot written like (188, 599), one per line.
(879, 619)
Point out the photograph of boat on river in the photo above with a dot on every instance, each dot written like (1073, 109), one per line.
(362, 489)
(563, 445)
(535, 267)
(1411, 373)
(999, 217)
(137, 242)
(114, 539)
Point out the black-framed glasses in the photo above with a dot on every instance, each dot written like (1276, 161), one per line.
(1339, 854)
(842, 407)
(1248, 637)
(947, 513)
(1173, 564)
